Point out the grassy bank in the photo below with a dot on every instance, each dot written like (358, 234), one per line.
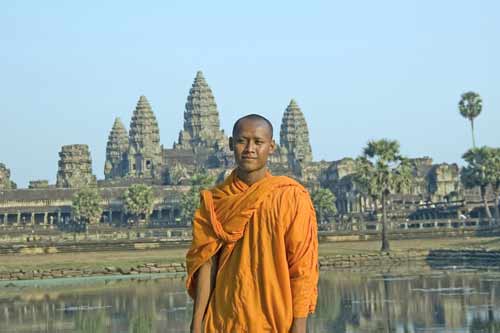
(95, 260)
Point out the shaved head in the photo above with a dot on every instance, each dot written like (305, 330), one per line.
(256, 118)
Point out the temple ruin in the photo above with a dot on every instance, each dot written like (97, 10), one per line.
(136, 155)
(5, 182)
(75, 167)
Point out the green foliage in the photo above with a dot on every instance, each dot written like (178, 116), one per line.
(138, 200)
(190, 200)
(324, 203)
(470, 106)
(482, 170)
(86, 205)
(382, 171)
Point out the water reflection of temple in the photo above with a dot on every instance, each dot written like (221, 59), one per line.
(415, 300)
(410, 303)
(117, 306)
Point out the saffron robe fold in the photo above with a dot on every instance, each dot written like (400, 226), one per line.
(266, 238)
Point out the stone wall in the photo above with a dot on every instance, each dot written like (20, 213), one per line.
(465, 256)
(371, 259)
(446, 257)
(109, 238)
(146, 268)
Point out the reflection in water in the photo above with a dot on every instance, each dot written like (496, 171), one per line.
(86, 322)
(401, 301)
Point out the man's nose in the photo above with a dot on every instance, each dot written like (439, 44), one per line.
(250, 146)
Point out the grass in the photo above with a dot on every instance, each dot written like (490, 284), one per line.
(360, 247)
(99, 260)
(90, 260)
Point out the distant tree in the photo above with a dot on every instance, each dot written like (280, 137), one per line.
(190, 201)
(483, 170)
(86, 206)
(470, 106)
(324, 203)
(382, 171)
(362, 179)
(494, 175)
(138, 200)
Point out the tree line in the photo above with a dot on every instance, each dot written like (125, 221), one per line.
(382, 170)
(138, 202)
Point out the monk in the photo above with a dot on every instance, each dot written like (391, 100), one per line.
(253, 263)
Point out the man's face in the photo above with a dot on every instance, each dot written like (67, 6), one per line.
(252, 143)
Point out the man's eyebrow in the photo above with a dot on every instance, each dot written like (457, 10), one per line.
(256, 137)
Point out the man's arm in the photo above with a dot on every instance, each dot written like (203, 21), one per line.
(299, 325)
(205, 283)
(302, 254)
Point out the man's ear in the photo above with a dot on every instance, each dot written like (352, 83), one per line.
(231, 143)
(272, 147)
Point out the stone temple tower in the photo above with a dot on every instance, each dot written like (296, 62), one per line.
(116, 151)
(144, 156)
(201, 118)
(5, 182)
(75, 167)
(294, 136)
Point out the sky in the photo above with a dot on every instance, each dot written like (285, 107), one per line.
(359, 70)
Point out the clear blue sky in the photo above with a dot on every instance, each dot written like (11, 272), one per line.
(360, 70)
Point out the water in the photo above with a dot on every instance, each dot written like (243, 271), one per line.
(405, 299)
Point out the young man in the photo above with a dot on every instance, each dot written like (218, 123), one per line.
(253, 263)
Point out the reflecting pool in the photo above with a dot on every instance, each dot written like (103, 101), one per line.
(401, 299)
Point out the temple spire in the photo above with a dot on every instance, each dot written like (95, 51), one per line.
(75, 167)
(144, 153)
(201, 118)
(116, 149)
(144, 131)
(294, 135)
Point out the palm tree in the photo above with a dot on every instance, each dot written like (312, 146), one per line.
(470, 107)
(324, 203)
(382, 171)
(483, 170)
(495, 180)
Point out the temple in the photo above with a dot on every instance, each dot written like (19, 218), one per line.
(75, 167)
(136, 155)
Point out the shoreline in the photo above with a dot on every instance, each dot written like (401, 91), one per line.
(171, 261)
(325, 263)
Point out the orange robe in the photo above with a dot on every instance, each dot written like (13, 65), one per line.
(266, 238)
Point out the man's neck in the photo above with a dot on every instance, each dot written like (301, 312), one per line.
(253, 177)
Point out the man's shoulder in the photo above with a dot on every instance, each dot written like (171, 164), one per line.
(288, 185)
